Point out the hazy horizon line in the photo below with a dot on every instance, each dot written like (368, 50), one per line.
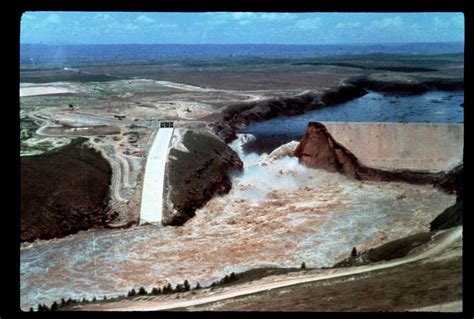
(287, 44)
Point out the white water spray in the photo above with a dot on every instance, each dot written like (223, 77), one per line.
(267, 173)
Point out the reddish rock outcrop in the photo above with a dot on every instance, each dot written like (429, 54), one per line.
(318, 149)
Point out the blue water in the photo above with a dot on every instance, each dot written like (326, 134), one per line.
(40, 55)
(430, 107)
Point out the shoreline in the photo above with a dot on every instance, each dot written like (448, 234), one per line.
(240, 115)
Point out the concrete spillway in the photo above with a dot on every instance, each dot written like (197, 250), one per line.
(151, 209)
(413, 146)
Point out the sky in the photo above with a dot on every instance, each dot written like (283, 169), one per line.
(239, 27)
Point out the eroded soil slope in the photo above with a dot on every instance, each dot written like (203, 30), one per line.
(198, 169)
(63, 193)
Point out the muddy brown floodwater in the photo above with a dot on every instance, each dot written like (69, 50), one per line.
(294, 215)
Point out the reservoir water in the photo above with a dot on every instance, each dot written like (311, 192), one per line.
(429, 107)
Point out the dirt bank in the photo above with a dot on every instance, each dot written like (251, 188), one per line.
(239, 115)
(63, 192)
(198, 168)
